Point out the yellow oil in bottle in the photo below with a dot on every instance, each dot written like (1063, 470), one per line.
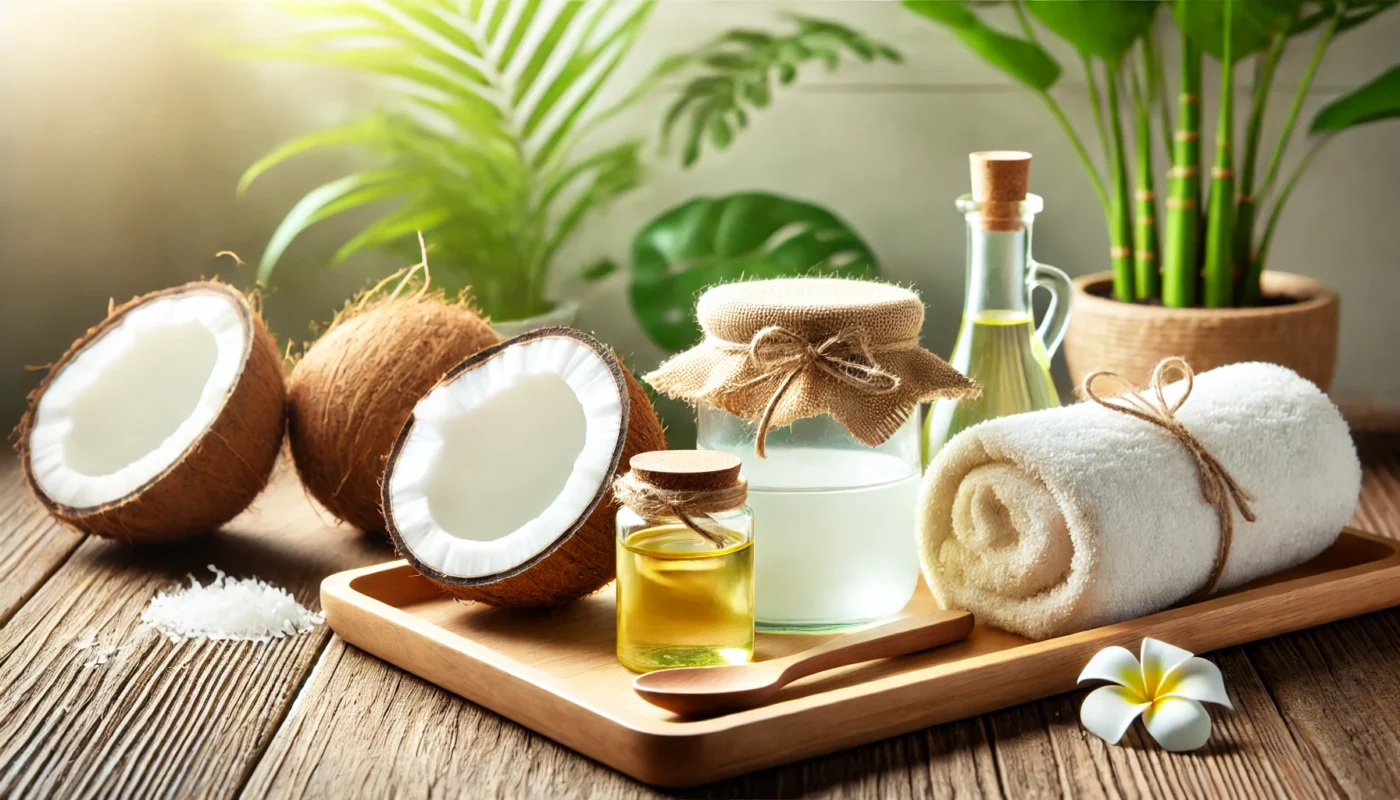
(1002, 352)
(682, 601)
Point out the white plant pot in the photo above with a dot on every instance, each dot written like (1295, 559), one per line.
(562, 314)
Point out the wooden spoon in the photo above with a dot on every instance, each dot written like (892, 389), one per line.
(703, 691)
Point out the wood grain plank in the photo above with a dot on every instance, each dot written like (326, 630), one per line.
(1045, 752)
(363, 727)
(365, 724)
(156, 718)
(1338, 686)
(953, 760)
(32, 544)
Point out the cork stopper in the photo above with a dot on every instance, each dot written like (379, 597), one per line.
(687, 470)
(1000, 180)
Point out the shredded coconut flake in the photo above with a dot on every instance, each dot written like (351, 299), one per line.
(245, 609)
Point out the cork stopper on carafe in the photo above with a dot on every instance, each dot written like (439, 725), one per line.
(1000, 179)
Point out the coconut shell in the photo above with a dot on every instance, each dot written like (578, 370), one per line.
(220, 473)
(356, 386)
(583, 559)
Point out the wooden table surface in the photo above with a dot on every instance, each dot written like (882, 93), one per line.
(94, 704)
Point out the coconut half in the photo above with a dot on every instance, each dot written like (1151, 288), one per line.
(163, 421)
(498, 488)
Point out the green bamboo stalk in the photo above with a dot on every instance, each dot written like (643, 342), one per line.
(1157, 82)
(1287, 190)
(1299, 97)
(1059, 115)
(1182, 230)
(1078, 145)
(1096, 104)
(1120, 229)
(1247, 292)
(1219, 255)
(1253, 291)
(1146, 254)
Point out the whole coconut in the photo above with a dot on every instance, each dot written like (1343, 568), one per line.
(356, 386)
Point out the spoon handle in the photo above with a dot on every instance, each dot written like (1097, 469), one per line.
(904, 635)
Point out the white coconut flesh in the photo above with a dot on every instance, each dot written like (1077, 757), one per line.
(504, 459)
(134, 400)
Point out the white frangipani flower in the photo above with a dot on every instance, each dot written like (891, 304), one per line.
(1166, 689)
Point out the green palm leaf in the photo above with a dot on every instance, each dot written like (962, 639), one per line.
(393, 227)
(491, 99)
(327, 200)
(481, 149)
(358, 132)
(736, 71)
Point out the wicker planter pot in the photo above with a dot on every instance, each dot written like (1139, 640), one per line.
(1130, 339)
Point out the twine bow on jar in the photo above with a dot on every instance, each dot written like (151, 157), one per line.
(847, 357)
(1218, 487)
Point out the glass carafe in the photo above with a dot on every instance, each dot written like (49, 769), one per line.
(834, 544)
(999, 345)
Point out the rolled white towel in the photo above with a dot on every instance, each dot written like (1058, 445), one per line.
(1060, 520)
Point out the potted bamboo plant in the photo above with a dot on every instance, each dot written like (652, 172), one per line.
(1196, 284)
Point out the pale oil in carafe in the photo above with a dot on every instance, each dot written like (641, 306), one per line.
(1001, 351)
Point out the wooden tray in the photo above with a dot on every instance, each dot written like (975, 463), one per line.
(555, 672)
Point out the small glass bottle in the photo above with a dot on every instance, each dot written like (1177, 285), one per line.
(685, 580)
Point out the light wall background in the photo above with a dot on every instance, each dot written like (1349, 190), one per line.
(123, 130)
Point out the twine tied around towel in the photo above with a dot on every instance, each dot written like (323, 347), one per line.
(1218, 487)
(848, 357)
(651, 501)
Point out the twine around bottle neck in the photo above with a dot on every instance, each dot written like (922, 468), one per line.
(691, 507)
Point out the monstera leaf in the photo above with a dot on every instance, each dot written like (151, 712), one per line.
(710, 240)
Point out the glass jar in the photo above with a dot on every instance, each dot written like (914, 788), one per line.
(685, 585)
(838, 519)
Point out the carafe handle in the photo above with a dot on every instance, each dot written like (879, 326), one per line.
(1052, 328)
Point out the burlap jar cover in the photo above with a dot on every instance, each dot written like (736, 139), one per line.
(777, 351)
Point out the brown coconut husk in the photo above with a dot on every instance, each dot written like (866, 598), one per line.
(220, 473)
(356, 385)
(582, 559)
